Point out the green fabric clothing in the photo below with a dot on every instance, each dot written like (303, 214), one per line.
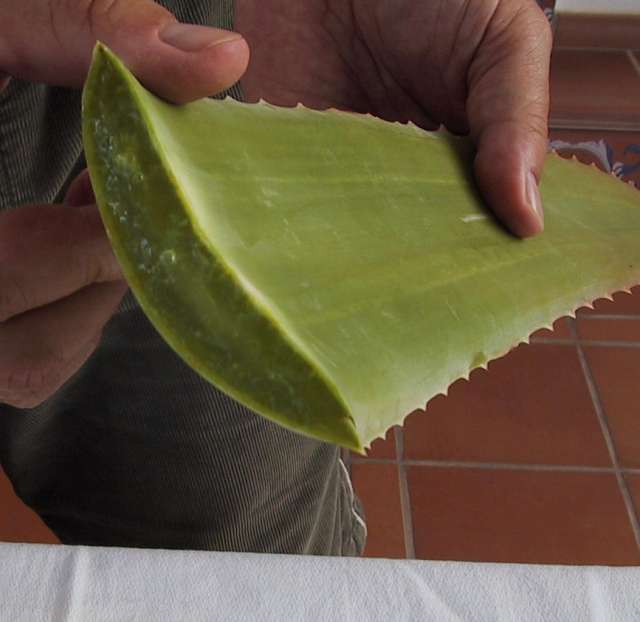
(136, 449)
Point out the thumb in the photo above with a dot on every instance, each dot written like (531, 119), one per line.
(507, 107)
(179, 62)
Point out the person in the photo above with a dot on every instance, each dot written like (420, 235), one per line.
(104, 432)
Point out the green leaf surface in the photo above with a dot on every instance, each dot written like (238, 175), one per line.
(330, 270)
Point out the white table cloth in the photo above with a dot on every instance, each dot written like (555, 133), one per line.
(40, 582)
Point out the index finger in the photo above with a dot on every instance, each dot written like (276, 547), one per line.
(48, 252)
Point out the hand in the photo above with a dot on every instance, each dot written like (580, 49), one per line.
(59, 280)
(478, 66)
(59, 285)
(51, 41)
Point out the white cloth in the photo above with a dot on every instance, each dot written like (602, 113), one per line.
(43, 583)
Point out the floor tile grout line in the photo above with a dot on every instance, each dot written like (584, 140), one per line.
(405, 497)
(605, 343)
(506, 466)
(604, 426)
(634, 61)
(589, 343)
(554, 341)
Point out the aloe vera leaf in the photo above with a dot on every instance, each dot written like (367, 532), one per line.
(333, 271)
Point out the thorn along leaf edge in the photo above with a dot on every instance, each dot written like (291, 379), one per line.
(333, 271)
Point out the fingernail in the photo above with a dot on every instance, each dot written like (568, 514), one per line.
(533, 197)
(191, 38)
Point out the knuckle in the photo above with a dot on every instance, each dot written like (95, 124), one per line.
(538, 128)
(105, 17)
(13, 297)
(17, 390)
(29, 386)
(536, 27)
(90, 252)
(99, 13)
(526, 24)
(532, 119)
(93, 270)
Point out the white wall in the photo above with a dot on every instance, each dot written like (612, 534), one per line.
(599, 6)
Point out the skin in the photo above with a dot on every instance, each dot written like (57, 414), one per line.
(477, 66)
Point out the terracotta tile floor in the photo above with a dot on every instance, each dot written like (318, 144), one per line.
(17, 522)
(538, 458)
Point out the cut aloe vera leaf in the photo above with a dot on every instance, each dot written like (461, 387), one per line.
(329, 270)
